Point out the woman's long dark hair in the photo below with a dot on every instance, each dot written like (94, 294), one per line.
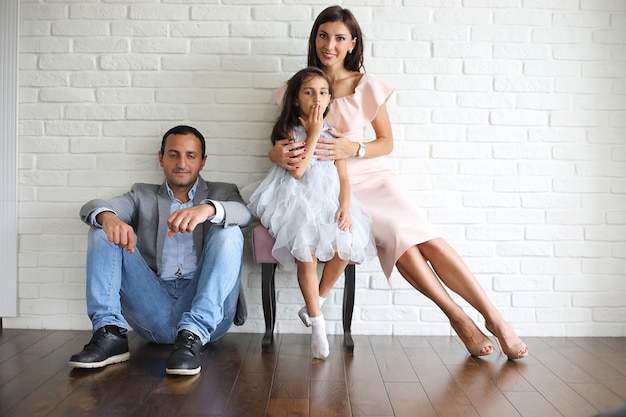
(354, 60)
(289, 112)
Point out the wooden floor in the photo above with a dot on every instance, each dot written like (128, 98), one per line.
(385, 376)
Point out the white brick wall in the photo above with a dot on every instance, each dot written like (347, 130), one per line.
(508, 119)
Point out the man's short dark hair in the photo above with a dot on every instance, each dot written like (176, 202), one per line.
(184, 130)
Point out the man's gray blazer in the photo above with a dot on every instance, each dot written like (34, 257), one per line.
(146, 208)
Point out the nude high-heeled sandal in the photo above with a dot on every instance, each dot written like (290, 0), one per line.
(518, 351)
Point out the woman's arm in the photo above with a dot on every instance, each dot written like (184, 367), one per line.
(342, 216)
(343, 148)
(287, 154)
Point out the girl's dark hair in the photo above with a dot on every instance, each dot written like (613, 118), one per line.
(289, 112)
(183, 130)
(354, 60)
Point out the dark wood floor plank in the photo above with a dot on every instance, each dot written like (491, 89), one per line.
(507, 375)
(222, 361)
(533, 404)
(613, 356)
(19, 343)
(393, 363)
(409, 399)
(366, 388)
(597, 395)
(482, 392)
(435, 377)
(329, 399)
(561, 396)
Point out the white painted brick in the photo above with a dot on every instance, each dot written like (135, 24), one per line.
(521, 151)
(582, 250)
(518, 117)
(433, 3)
(551, 4)
(521, 17)
(460, 116)
(443, 49)
(554, 233)
(521, 51)
(556, 135)
(543, 102)
(552, 69)
(548, 201)
(490, 200)
(94, 112)
(542, 299)
(531, 283)
(126, 62)
(602, 70)
(432, 32)
(520, 185)
(486, 100)
(139, 29)
(494, 233)
(523, 84)
(560, 35)
(564, 315)
(582, 53)
(495, 33)
(583, 85)
(608, 5)
(494, 134)
(515, 216)
(491, 67)
(598, 299)
(66, 95)
(578, 118)
(493, 168)
(612, 315)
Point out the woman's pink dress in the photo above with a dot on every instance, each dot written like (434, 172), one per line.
(396, 222)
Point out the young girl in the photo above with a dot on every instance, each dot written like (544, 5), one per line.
(307, 210)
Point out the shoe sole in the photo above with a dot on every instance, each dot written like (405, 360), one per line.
(185, 372)
(108, 361)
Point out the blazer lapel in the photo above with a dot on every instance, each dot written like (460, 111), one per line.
(164, 204)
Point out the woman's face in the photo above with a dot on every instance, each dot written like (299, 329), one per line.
(332, 43)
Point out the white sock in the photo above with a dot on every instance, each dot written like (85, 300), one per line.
(319, 342)
(303, 313)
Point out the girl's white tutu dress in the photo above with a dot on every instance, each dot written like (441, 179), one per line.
(300, 214)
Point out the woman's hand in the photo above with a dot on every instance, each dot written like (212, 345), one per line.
(287, 154)
(340, 147)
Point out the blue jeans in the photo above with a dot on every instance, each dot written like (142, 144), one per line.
(122, 290)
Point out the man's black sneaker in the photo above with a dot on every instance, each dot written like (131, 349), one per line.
(185, 358)
(103, 349)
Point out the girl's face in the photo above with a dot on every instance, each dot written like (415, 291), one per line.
(332, 43)
(314, 91)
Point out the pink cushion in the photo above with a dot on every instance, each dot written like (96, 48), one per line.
(262, 244)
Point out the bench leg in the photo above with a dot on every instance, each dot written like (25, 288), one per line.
(348, 306)
(268, 295)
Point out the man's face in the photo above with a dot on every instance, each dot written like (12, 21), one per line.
(182, 160)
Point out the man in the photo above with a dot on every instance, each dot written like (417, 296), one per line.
(166, 259)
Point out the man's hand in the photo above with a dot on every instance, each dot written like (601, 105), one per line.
(118, 232)
(186, 220)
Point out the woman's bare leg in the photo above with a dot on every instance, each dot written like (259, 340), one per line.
(414, 268)
(455, 274)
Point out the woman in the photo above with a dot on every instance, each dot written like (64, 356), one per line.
(402, 236)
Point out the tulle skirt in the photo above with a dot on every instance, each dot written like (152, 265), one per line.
(300, 215)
